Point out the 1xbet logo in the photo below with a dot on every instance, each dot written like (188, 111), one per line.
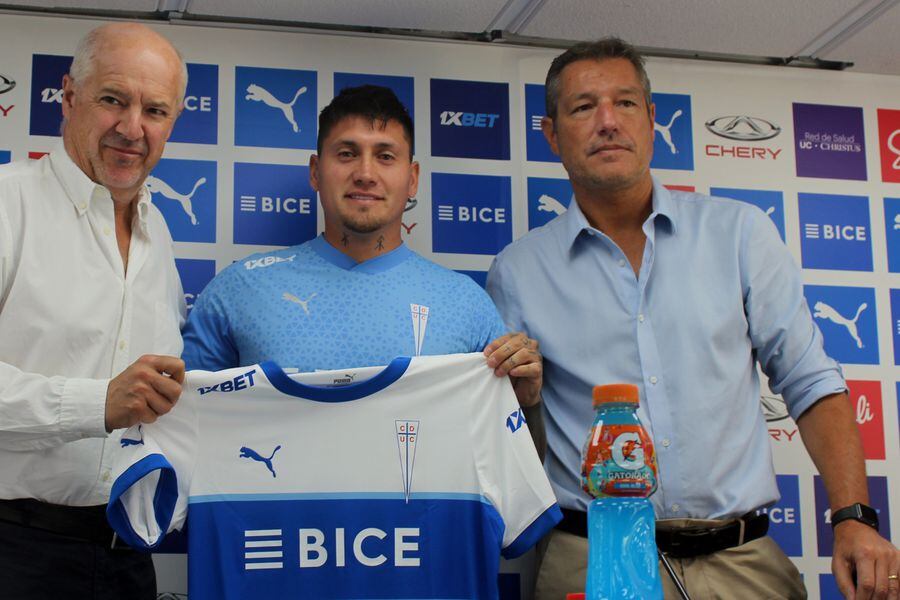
(469, 119)
(274, 205)
(275, 108)
(771, 203)
(198, 123)
(878, 499)
(195, 274)
(470, 213)
(185, 193)
(241, 382)
(835, 232)
(46, 92)
(547, 199)
(673, 142)
(846, 317)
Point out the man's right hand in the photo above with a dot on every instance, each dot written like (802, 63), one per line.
(147, 389)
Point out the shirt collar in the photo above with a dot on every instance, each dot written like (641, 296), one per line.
(82, 191)
(663, 205)
(378, 264)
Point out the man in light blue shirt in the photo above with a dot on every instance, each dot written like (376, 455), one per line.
(681, 294)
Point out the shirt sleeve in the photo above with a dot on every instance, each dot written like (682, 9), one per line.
(499, 287)
(208, 344)
(788, 344)
(510, 472)
(153, 470)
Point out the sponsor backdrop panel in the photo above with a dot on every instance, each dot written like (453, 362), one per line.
(819, 152)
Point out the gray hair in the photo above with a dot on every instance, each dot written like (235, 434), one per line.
(83, 61)
(604, 49)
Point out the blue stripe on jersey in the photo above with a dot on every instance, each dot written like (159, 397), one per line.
(163, 500)
(338, 496)
(345, 393)
(538, 529)
(343, 549)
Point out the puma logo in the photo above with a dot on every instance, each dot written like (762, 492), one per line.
(155, 185)
(303, 303)
(261, 94)
(666, 131)
(253, 455)
(550, 204)
(823, 311)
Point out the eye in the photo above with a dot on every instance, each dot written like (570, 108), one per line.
(386, 156)
(627, 103)
(110, 100)
(158, 112)
(581, 108)
(345, 153)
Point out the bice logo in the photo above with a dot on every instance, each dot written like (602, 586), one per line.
(673, 142)
(195, 274)
(889, 142)
(46, 92)
(865, 398)
(198, 122)
(185, 192)
(403, 87)
(274, 205)
(470, 213)
(846, 317)
(771, 203)
(829, 141)
(547, 199)
(469, 119)
(835, 232)
(892, 232)
(536, 144)
(275, 108)
(784, 516)
(878, 499)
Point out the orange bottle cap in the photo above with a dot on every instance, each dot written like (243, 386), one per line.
(615, 392)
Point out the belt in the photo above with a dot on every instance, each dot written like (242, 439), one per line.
(86, 523)
(689, 541)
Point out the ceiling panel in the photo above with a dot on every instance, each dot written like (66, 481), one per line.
(875, 48)
(435, 15)
(759, 28)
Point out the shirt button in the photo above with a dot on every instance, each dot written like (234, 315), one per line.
(105, 476)
(83, 205)
(653, 380)
(666, 442)
(641, 318)
(621, 262)
(122, 345)
(675, 508)
(106, 230)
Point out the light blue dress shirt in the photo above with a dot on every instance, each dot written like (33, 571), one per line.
(717, 291)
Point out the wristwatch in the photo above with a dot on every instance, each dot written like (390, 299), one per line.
(859, 512)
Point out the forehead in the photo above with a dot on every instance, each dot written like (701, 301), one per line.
(144, 70)
(618, 72)
(362, 131)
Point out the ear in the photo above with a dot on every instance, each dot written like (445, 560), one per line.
(549, 130)
(68, 98)
(314, 172)
(413, 180)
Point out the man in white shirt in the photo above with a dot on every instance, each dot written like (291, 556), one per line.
(90, 313)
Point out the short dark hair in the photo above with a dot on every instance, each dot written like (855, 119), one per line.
(373, 102)
(605, 49)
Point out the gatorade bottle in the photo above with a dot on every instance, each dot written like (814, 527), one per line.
(619, 470)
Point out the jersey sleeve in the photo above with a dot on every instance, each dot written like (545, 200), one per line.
(208, 343)
(510, 472)
(153, 471)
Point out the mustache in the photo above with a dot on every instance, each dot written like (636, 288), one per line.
(116, 140)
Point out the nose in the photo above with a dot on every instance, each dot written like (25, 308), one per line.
(364, 175)
(607, 120)
(130, 124)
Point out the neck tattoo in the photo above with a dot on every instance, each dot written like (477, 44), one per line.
(345, 240)
(380, 245)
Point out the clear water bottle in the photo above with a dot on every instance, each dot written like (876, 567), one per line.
(619, 470)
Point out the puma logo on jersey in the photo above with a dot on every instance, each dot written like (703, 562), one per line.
(824, 311)
(304, 304)
(267, 261)
(240, 382)
(261, 94)
(254, 455)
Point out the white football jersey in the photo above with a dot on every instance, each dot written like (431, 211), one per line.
(405, 481)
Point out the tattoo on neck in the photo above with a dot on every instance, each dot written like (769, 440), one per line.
(345, 240)
(380, 245)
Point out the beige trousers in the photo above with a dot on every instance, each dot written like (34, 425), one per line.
(757, 570)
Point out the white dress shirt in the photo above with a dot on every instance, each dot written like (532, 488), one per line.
(71, 318)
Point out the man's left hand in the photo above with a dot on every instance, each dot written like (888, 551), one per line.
(517, 355)
(859, 548)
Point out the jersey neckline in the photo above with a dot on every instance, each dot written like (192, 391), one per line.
(354, 391)
(379, 264)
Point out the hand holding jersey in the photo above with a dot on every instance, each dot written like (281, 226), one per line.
(144, 391)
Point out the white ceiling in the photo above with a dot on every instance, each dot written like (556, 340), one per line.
(864, 32)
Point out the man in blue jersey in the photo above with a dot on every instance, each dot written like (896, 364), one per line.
(681, 294)
(356, 295)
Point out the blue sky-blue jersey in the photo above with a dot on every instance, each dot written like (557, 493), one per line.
(312, 307)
